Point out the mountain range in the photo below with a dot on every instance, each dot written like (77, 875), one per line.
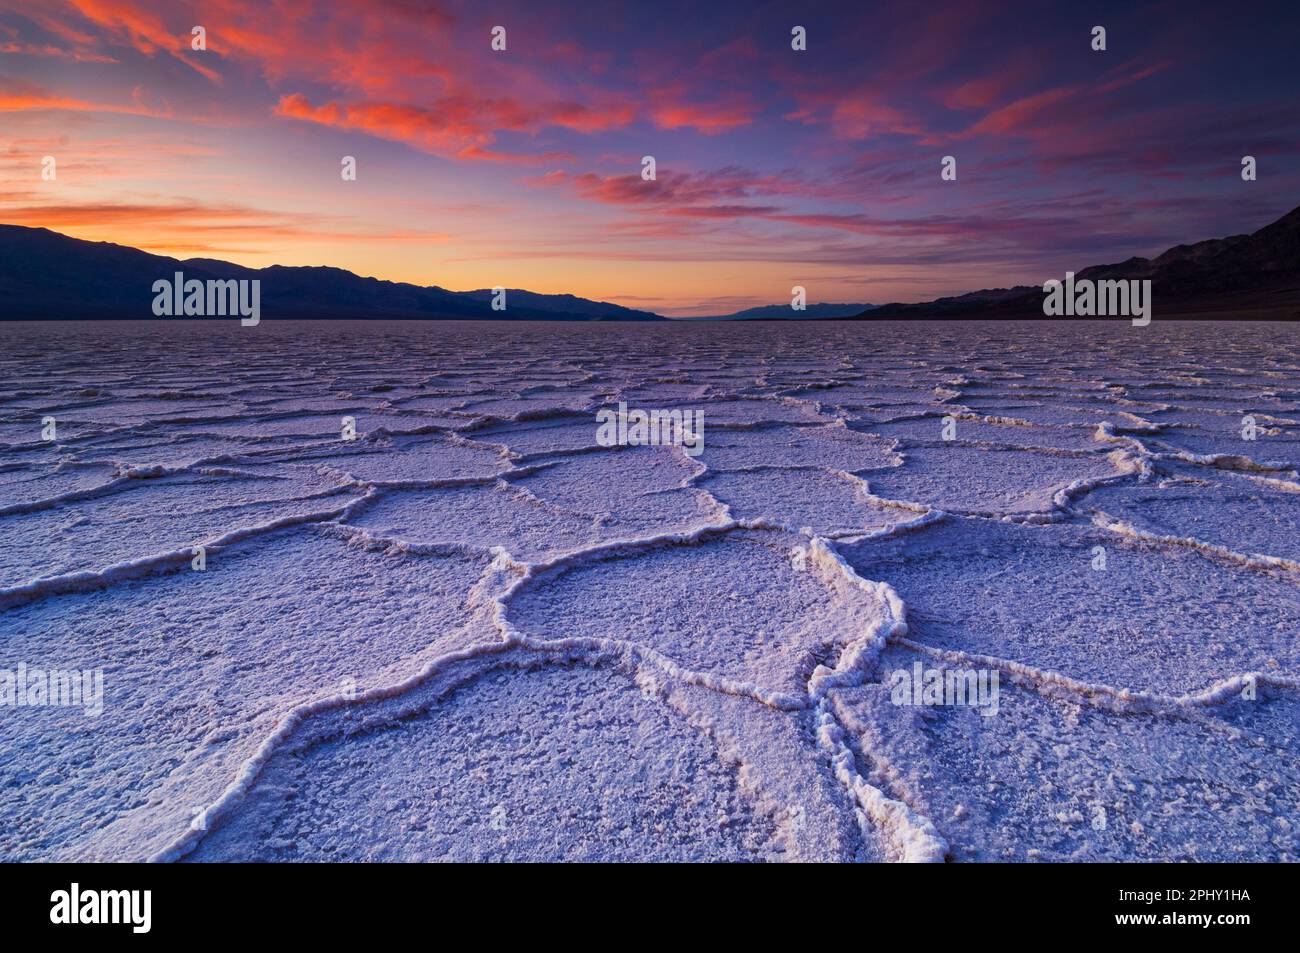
(46, 275)
(783, 312)
(1255, 276)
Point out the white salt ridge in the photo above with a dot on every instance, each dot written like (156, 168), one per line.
(1253, 560)
(1106, 696)
(146, 565)
(120, 482)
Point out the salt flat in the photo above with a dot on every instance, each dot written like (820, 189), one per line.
(474, 633)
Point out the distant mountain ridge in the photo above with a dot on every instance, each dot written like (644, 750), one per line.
(46, 275)
(783, 312)
(1255, 275)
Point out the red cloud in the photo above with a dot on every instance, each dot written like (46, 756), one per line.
(984, 91)
(143, 30)
(454, 125)
(710, 120)
(16, 96)
(676, 189)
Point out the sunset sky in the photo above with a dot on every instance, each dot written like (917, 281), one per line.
(775, 167)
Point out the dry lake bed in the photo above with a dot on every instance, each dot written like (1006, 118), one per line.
(928, 591)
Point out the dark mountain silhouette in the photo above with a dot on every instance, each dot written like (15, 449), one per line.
(783, 312)
(1253, 276)
(47, 275)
